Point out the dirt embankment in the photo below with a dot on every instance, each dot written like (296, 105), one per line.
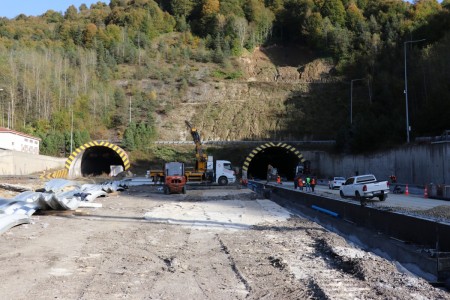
(252, 106)
(203, 245)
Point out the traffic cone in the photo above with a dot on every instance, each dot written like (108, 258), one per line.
(406, 190)
(425, 193)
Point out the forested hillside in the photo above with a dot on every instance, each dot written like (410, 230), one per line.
(134, 70)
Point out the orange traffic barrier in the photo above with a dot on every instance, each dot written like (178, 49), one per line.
(425, 193)
(406, 190)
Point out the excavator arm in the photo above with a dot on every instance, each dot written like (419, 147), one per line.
(199, 155)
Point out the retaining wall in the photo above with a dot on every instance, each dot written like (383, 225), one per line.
(19, 163)
(349, 217)
(415, 164)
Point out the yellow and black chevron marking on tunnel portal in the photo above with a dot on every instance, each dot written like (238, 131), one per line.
(123, 155)
(55, 174)
(255, 151)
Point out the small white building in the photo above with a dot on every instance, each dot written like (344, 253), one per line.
(18, 141)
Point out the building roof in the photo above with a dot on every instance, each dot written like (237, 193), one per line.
(7, 130)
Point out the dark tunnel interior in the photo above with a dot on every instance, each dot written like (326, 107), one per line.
(97, 161)
(284, 160)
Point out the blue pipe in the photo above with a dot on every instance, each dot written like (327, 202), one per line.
(331, 213)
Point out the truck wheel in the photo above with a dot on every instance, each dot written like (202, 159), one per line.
(342, 194)
(382, 197)
(183, 190)
(223, 180)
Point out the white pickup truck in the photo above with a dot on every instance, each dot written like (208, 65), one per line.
(364, 187)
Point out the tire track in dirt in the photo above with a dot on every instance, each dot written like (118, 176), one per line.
(235, 269)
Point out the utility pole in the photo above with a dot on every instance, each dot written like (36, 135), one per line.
(9, 116)
(3, 110)
(71, 134)
(129, 122)
(408, 128)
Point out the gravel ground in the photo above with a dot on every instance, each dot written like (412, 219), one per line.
(113, 252)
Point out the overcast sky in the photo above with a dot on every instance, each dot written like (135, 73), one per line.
(13, 8)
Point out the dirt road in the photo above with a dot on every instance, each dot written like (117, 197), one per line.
(203, 245)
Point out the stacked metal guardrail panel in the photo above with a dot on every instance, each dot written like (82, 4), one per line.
(58, 194)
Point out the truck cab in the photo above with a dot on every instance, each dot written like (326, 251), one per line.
(220, 171)
(364, 187)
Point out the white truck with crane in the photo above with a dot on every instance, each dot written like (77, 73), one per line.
(206, 167)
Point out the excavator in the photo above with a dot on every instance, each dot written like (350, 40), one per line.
(201, 157)
(206, 167)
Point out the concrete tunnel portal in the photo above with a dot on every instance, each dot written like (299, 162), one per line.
(96, 158)
(282, 156)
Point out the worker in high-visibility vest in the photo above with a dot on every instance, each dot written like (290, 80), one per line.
(313, 183)
(278, 179)
(300, 183)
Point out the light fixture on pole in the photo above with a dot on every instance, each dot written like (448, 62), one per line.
(408, 129)
(351, 99)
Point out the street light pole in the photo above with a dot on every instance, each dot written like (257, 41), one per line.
(71, 133)
(3, 113)
(351, 99)
(406, 91)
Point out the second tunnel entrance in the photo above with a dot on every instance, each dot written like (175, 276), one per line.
(280, 155)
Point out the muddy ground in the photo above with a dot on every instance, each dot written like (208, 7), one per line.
(185, 250)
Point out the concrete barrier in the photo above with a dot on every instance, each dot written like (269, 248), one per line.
(405, 238)
(19, 163)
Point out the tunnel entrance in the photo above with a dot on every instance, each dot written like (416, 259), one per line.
(95, 159)
(280, 155)
(98, 160)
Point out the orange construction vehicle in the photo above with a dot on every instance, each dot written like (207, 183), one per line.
(174, 178)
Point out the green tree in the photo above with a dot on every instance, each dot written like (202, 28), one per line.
(128, 141)
(181, 7)
(119, 98)
(335, 11)
(71, 13)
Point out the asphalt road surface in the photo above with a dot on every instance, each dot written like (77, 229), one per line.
(410, 201)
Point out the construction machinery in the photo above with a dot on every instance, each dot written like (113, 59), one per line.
(206, 167)
(272, 173)
(303, 169)
(174, 178)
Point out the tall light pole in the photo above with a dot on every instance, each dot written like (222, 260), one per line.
(71, 133)
(351, 99)
(408, 129)
(129, 122)
(3, 120)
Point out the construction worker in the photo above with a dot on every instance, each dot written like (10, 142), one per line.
(300, 183)
(313, 183)
(308, 183)
(278, 179)
(393, 178)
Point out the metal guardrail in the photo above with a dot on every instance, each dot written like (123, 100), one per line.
(324, 142)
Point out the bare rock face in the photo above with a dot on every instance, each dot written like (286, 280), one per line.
(251, 107)
(316, 70)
